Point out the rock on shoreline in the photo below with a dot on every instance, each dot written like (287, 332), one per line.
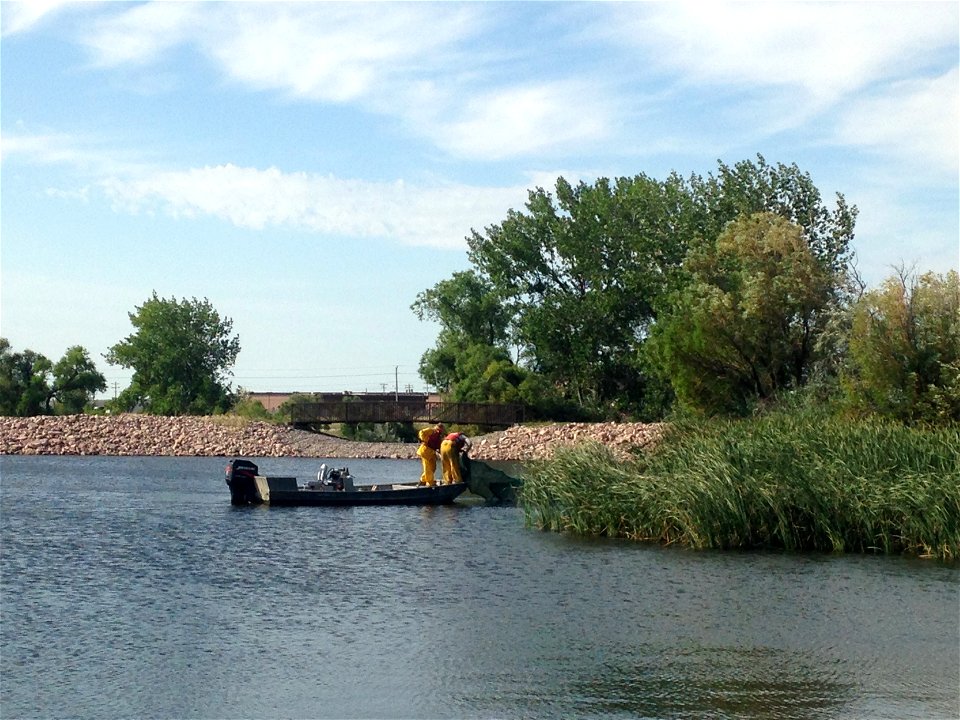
(130, 434)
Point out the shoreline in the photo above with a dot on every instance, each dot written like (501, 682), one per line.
(228, 436)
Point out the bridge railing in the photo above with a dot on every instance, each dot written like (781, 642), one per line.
(321, 413)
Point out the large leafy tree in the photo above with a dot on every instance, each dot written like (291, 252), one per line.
(579, 273)
(31, 385)
(745, 325)
(181, 354)
(904, 349)
(467, 306)
(583, 274)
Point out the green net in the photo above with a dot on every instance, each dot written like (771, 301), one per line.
(495, 484)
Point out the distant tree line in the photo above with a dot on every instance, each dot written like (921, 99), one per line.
(30, 384)
(181, 353)
(630, 298)
(636, 297)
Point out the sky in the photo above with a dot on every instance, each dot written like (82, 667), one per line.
(309, 168)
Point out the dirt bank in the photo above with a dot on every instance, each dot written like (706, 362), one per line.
(231, 437)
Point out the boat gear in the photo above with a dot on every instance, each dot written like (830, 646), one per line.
(332, 479)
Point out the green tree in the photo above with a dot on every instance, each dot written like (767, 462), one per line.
(181, 355)
(746, 324)
(466, 305)
(9, 385)
(904, 348)
(582, 275)
(31, 385)
(749, 187)
(486, 374)
(579, 275)
(76, 381)
(24, 382)
(470, 316)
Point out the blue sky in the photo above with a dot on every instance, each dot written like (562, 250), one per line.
(310, 167)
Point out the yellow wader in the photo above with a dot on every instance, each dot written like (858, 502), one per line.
(450, 458)
(428, 457)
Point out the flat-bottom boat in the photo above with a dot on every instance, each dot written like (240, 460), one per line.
(333, 487)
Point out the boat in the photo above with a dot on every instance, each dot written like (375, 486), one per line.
(334, 487)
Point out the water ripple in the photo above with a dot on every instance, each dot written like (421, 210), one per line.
(131, 588)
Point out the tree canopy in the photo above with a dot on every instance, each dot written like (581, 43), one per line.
(576, 281)
(31, 385)
(181, 353)
(744, 326)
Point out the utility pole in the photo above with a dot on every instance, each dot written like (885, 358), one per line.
(396, 383)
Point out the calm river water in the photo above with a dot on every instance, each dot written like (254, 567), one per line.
(131, 588)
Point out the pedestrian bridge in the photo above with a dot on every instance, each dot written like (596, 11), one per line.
(306, 414)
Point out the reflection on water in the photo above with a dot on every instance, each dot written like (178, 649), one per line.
(131, 588)
(729, 682)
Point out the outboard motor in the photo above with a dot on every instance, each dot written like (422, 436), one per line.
(243, 486)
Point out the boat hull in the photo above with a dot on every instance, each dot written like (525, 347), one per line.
(414, 495)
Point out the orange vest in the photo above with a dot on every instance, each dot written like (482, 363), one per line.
(458, 440)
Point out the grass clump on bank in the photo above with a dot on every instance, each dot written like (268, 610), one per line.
(793, 481)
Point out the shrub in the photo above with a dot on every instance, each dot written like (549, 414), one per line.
(905, 349)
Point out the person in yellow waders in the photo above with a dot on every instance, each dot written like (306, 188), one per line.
(450, 449)
(430, 440)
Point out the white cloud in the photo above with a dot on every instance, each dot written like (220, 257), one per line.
(337, 52)
(142, 33)
(81, 153)
(916, 119)
(418, 62)
(524, 121)
(17, 17)
(825, 49)
(430, 64)
(438, 216)
(325, 51)
(46, 149)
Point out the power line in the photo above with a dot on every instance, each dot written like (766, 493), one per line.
(302, 377)
(385, 368)
(315, 377)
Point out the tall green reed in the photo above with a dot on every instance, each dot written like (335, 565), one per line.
(799, 481)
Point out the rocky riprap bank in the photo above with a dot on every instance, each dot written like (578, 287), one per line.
(231, 437)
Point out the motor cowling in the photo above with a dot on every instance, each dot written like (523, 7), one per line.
(241, 479)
